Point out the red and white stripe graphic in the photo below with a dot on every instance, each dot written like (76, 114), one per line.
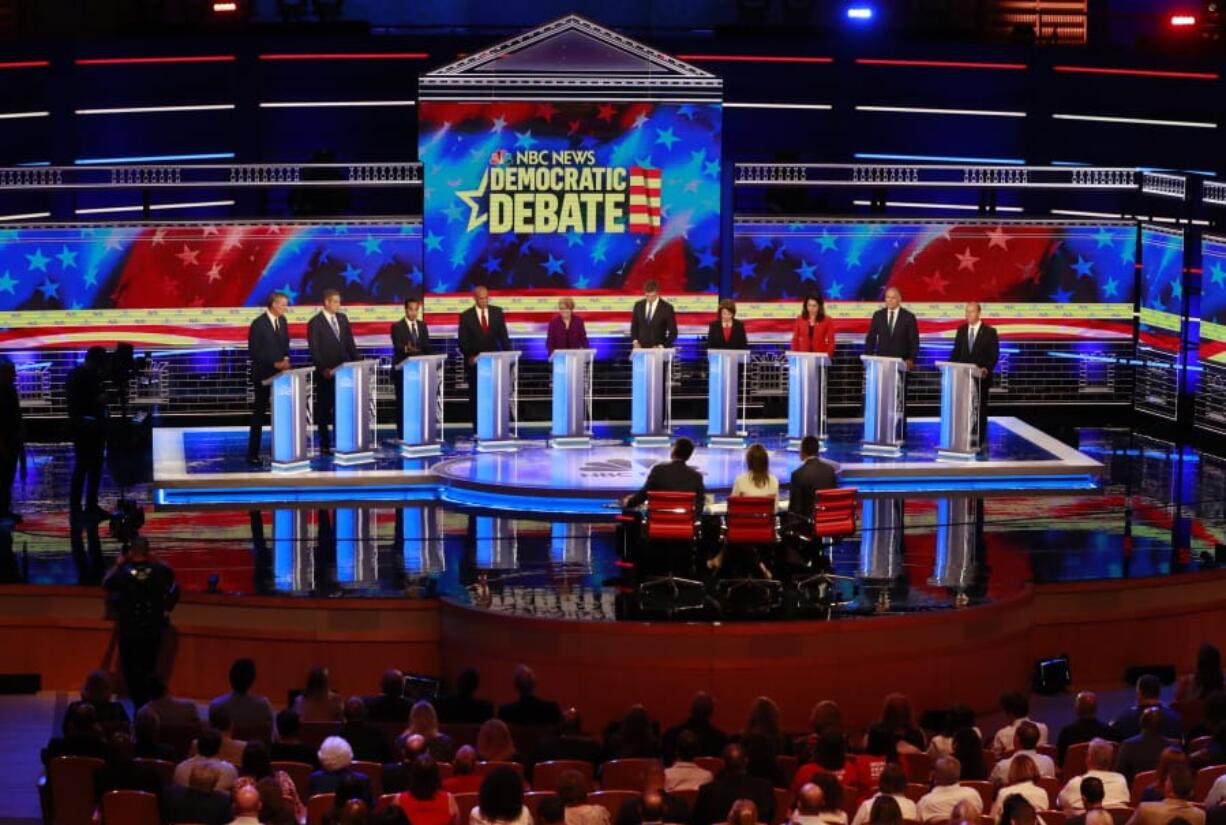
(644, 200)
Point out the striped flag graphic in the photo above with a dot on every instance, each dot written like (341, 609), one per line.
(644, 200)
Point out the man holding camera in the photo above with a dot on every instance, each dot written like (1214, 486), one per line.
(143, 592)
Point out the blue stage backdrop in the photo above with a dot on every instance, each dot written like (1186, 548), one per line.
(561, 196)
(1048, 281)
(1161, 289)
(1213, 301)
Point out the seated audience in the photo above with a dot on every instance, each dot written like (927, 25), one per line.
(743, 812)
(246, 806)
(1087, 726)
(121, 772)
(1099, 760)
(892, 783)
(396, 774)
(1176, 802)
(464, 778)
(819, 803)
(956, 718)
(895, 730)
(146, 744)
(711, 740)
(938, 804)
(1017, 810)
(390, 705)
(633, 738)
(1098, 816)
(231, 748)
(715, 798)
(655, 804)
(829, 755)
(528, 709)
(1025, 741)
(242, 706)
(570, 742)
(463, 707)
(367, 740)
(318, 702)
(494, 742)
(1149, 695)
(349, 807)
(885, 810)
(197, 801)
(288, 747)
(763, 741)
(1017, 709)
(1021, 780)
(1170, 757)
(673, 476)
(501, 800)
(550, 811)
(423, 722)
(1142, 752)
(964, 814)
(274, 808)
(335, 761)
(1213, 725)
(1206, 679)
(968, 750)
(257, 766)
(208, 750)
(109, 714)
(82, 736)
(684, 774)
(1217, 793)
(572, 790)
(424, 801)
(172, 712)
(1091, 799)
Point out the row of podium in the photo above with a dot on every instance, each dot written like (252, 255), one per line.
(651, 402)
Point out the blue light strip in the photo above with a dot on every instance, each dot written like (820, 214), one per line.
(1109, 359)
(530, 503)
(920, 484)
(153, 158)
(939, 158)
(168, 496)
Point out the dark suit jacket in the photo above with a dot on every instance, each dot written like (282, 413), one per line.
(661, 332)
(1140, 753)
(327, 781)
(807, 479)
(715, 336)
(531, 711)
(388, 708)
(328, 351)
(715, 798)
(711, 740)
(474, 340)
(1128, 723)
(367, 740)
(181, 804)
(401, 341)
(1075, 733)
(463, 710)
(672, 476)
(904, 343)
(266, 346)
(987, 347)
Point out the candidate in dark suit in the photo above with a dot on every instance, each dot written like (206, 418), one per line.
(726, 332)
(977, 343)
(410, 336)
(85, 393)
(812, 475)
(330, 339)
(653, 323)
(894, 333)
(673, 475)
(268, 349)
(482, 329)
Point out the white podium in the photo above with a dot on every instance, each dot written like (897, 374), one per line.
(806, 396)
(355, 416)
(960, 436)
(651, 391)
(290, 419)
(497, 396)
(572, 398)
(726, 397)
(421, 378)
(885, 398)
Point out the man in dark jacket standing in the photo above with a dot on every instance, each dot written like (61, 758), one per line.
(268, 349)
(977, 343)
(330, 339)
(653, 323)
(894, 333)
(85, 390)
(410, 336)
(144, 593)
(482, 329)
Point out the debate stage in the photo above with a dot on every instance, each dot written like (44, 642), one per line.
(205, 466)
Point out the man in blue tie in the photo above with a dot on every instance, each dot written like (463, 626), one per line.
(977, 343)
(410, 337)
(330, 339)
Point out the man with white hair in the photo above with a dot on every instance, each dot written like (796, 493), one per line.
(335, 760)
(1100, 759)
(946, 793)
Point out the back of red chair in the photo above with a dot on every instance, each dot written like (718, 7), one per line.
(318, 807)
(465, 802)
(72, 788)
(714, 764)
(130, 808)
(1205, 778)
(300, 772)
(917, 766)
(626, 774)
(834, 512)
(670, 516)
(532, 801)
(783, 805)
(164, 769)
(1140, 782)
(374, 772)
(487, 767)
(751, 520)
(612, 801)
(545, 775)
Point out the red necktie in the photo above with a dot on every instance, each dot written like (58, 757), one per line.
(485, 323)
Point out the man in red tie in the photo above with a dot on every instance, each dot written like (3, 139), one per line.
(482, 329)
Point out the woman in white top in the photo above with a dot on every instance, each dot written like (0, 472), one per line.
(1022, 780)
(755, 481)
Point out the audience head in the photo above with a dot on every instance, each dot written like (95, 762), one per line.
(97, 689)
(826, 716)
(571, 723)
(335, 754)
(424, 778)
(501, 797)
(317, 684)
(95, 357)
(83, 719)
(273, 808)
(203, 777)
(968, 748)
(892, 779)
(1086, 705)
(287, 725)
(208, 743)
(551, 811)
(958, 717)
(885, 811)
(683, 448)
(412, 746)
(1101, 755)
(636, 727)
(354, 812)
(242, 675)
(1166, 760)
(1099, 816)
(947, 770)
(423, 719)
(467, 682)
(391, 684)
(810, 447)
(257, 762)
(653, 807)
(896, 712)
(1017, 810)
(964, 813)
(1148, 689)
(572, 788)
(763, 716)
(1092, 792)
(743, 812)
(1015, 705)
(246, 801)
(1026, 736)
(758, 462)
(1179, 782)
(355, 710)
(832, 790)
(1208, 669)
(349, 787)
(1022, 769)
(702, 708)
(220, 719)
(687, 746)
(146, 725)
(525, 681)
(1151, 720)
(465, 761)
(735, 761)
(494, 743)
(830, 751)
(810, 801)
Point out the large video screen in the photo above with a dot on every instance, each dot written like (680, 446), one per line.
(1213, 301)
(1161, 289)
(1034, 280)
(571, 195)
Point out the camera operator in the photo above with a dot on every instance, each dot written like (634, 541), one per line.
(143, 592)
(85, 390)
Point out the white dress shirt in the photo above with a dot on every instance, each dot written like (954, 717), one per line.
(907, 807)
(1033, 794)
(1115, 792)
(939, 803)
(1002, 743)
(824, 818)
(686, 776)
(1216, 793)
(1047, 768)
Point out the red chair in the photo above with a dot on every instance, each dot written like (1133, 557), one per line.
(750, 524)
(612, 801)
(1205, 778)
(130, 808)
(486, 768)
(626, 774)
(386, 801)
(318, 806)
(545, 775)
(787, 766)
(916, 790)
(987, 791)
(689, 795)
(300, 772)
(532, 800)
(72, 789)
(1140, 782)
(671, 519)
(834, 519)
(851, 800)
(465, 802)
(714, 764)
(164, 769)
(374, 772)
(1191, 711)
(917, 767)
(1052, 786)
(783, 805)
(1052, 817)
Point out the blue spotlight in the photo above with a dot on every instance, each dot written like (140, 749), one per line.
(860, 13)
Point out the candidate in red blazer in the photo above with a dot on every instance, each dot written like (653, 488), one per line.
(813, 330)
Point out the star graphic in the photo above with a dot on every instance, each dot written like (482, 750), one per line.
(572, 127)
(691, 185)
(573, 239)
(666, 137)
(806, 270)
(935, 283)
(606, 112)
(439, 286)
(553, 266)
(997, 237)
(836, 290)
(372, 244)
(852, 258)
(159, 236)
(114, 241)
(1128, 254)
(711, 168)
(1061, 297)
(1111, 287)
(1030, 271)
(747, 269)
(472, 199)
(598, 256)
(68, 258)
(1218, 275)
(581, 282)
(49, 289)
(500, 123)
(706, 260)
(645, 162)
(1102, 237)
(966, 260)
(686, 111)
(457, 258)
(546, 111)
(492, 264)
(7, 282)
(640, 120)
(434, 243)
(91, 277)
(189, 256)
(827, 242)
(414, 275)
(1176, 290)
(210, 229)
(524, 140)
(38, 261)
(1083, 267)
(352, 274)
(289, 292)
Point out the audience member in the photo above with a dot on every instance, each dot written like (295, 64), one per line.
(1141, 752)
(885, 810)
(244, 707)
(463, 707)
(231, 748)
(570, 742)
(274, 808)
(172, 712)
(1021, 780)
(367, 740)
(964, 814)
(743, 812)
(257, 766)
(208, 752)
(318, 702)
(1213, 725)
(1087, 726)
(396, 775)
(820, 803)
(633, 738)
(572, 790)
(1017, 710)
(715, 798)
(1025, 741)
(894, 731)
(464, 778)
(938, 804)
(197, 801)
(108, 714)
(528, 709)
(146, 744)
(763, 741)
(246, 806)
(288, 747)
(1206, 679)
(1091, 798)
(1128, 723)
(121, 772)
(1170, 757)
(423, 722)
(711, 740)
(335, 761)
(390, 705)
(1175, 804)
(550, 811)
(829, 755)
(501, 800)
(82, 736)
(956, 718)
(424, 801)
(1217, 792)
(494, 742)
(351, 811)
(892, 783)
(1099, 816)
(968, 750)
(1018, 810)
(654, 804)
(142, 591)
(1099, 760)
(684, 774)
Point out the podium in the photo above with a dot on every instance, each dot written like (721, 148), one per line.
(290, 411)
(806, 396)
(497, 396)
(885, 398)
(355, 411)
(651, 396)
(421, 378)
(725, 397)
(960, 436)
(572, 398)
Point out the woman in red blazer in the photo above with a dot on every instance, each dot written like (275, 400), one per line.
(814, 331)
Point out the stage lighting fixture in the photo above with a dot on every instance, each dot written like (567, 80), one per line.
(222, 7)
(1183, 21)
(860, 13)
